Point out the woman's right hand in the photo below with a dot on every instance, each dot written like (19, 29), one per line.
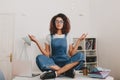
(33, 38)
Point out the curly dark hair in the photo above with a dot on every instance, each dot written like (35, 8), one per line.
(66, 25)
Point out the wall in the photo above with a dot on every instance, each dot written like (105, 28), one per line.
(33, 17)
(99, 18)
(105, 19)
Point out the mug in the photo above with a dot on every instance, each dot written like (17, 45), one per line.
(85, 71)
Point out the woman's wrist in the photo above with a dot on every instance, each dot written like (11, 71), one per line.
(79, 39)
(36, 41)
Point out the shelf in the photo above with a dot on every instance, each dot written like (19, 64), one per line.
(90, 50)
(88, 47)
(81, 50)
(90, 55)
(87, 50)
(91, 63)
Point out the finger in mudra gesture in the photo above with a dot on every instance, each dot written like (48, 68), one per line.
(32, 37)
(83, 36)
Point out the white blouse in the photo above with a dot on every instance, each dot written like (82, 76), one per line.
(68, 38)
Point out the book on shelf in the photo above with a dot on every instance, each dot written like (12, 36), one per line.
(91, 59)
(90, 44)
(80, 48)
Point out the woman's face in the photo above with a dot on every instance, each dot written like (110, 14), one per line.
(59, 23)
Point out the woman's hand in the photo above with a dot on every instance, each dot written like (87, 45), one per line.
(83, 36)
(73, 49)
(33, 38)
(44, 51)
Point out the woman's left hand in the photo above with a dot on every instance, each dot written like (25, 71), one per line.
(83, 36)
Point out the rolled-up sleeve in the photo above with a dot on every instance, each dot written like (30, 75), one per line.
(47, 40)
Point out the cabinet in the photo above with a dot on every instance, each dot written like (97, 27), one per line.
(88, 47)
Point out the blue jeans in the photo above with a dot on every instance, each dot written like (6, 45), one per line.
(44, 62)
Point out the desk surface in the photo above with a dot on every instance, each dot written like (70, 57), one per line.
(78, 76)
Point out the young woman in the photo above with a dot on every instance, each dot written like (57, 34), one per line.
(59, 55)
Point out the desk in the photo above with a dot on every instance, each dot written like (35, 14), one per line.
(78, 76)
